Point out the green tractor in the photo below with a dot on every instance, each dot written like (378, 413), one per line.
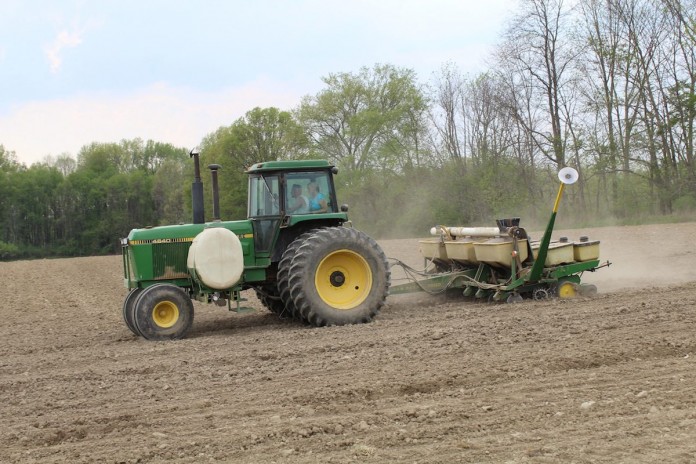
(297, 251)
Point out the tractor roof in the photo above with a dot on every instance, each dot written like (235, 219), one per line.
(292, 165)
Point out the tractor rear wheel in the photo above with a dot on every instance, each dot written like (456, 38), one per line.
(163, 312)
(128, 309)
(269, 296)
(338, 276)
(284, 274)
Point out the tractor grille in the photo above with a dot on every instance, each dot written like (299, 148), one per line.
(169, 260)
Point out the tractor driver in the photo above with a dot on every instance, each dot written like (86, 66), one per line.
(317, 202)
(298, 204)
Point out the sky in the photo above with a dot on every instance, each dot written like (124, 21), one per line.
(73, 72)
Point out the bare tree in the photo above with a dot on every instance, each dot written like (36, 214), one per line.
(537, 54)
(611, 87)
(681, 96)
(446, 115)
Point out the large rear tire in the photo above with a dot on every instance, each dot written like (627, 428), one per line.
(338, 276)
(284, 274)
(269, 296)
(163, 312)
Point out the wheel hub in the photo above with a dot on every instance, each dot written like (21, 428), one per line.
(337, 278)
(165, 314)
(343, 279)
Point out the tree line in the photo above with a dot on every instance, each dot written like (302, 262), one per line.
(68, 207)
(605, 86)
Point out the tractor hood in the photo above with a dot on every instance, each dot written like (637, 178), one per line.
(184, 232)
(160, 253)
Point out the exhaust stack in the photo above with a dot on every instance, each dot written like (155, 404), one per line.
(197, 190)
(216, 195)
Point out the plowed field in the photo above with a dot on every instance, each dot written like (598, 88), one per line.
(602, 379)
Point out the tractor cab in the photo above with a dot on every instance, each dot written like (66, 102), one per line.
(275, 190)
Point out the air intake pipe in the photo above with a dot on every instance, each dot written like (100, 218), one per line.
(216, 195)
(197, 190)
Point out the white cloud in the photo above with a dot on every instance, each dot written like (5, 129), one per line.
(64, 39)
(401, 32)
(159, 112)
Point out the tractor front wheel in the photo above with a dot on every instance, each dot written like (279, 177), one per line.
(128, 304)
(163, 312)
(338, 276)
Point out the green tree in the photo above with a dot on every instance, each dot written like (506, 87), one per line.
(370, 120)
(263, 134)
(128, 156)
(33, 210)
(8, 165)
(113, 190)
(168, 187)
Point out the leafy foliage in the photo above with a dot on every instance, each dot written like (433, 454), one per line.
(261, 135)
(369, 120)
(606, 87)
(52, 208)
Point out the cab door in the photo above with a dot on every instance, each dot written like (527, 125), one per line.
(264, 211)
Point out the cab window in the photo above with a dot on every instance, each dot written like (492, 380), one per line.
(264, 198)
(308, 188)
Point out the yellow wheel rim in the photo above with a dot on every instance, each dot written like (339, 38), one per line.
(343, 279)
(567, 290)
(165, 314)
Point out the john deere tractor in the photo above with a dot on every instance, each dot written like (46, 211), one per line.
(307, 263)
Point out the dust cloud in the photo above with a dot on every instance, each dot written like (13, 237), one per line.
(642, 256)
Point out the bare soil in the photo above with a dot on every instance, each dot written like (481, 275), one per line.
(432, 379)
